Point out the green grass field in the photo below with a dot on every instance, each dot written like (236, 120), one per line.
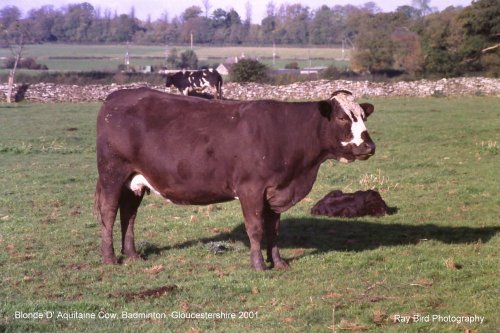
(437, 161)
(64, 57)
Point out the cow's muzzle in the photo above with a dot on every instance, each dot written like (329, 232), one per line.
(364, 151)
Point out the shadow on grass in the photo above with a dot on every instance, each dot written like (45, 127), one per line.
(325, 235)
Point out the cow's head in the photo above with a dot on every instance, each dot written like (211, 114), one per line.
(348, 137)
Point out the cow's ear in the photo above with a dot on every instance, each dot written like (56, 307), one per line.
(368, 108)
(325, 108)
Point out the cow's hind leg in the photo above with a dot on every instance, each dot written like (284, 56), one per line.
(129, 203)
(219, 89)
(215, 92)
(272, 223)
(106, 207)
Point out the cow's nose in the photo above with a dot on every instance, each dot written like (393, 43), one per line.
(366, 148)
(369, 147)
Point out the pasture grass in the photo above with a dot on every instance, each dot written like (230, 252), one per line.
(436, 161)
(69, 57)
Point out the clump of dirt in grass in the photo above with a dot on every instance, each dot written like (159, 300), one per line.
(451, 264)
(145, 248)
(75, 211)
(219, 247)
(422, 282)
(78, 266)
(11, 249)
(379, 317)
(150, 293)
(154, 270)
(54, 214)
(351, 326)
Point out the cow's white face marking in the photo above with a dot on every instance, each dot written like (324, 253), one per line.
(138, 183)
(356, 114)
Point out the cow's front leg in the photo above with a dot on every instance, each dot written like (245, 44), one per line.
(272, 224)
(252, 206)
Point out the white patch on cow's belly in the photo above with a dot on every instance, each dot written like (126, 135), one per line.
(138, 183)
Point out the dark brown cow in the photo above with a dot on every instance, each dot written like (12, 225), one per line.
(196, 151)
(359, 203)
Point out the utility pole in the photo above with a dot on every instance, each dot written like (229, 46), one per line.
(346, 44)
(274, 54)
(127, 58)
(191, 39)
(166, 54)
(343, 42)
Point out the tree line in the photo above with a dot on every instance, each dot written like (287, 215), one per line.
(414, 39)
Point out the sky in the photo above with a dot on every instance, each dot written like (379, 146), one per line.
(155, 8)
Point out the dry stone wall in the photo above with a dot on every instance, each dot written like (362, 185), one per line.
(310, 90)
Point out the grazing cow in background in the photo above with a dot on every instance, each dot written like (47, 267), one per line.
(195, 151)
(197, 82)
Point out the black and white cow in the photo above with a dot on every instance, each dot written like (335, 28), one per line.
(189, 82)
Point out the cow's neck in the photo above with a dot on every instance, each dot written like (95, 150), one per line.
(300, 174)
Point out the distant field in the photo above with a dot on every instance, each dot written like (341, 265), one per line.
(437, 161)
(63, 57)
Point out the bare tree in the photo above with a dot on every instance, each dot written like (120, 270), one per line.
(15, 39)
(207, 5)
(248, 13)
(270, 9)
(424, 6)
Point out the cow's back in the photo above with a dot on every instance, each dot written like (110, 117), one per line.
(148, 117)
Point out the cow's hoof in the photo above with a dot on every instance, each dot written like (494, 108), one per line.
(280, 264)
(110, 260)
(257, 262)
(131, 259)
(259, 268)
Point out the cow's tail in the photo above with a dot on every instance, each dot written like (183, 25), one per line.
(219, 87)
(97, 202)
